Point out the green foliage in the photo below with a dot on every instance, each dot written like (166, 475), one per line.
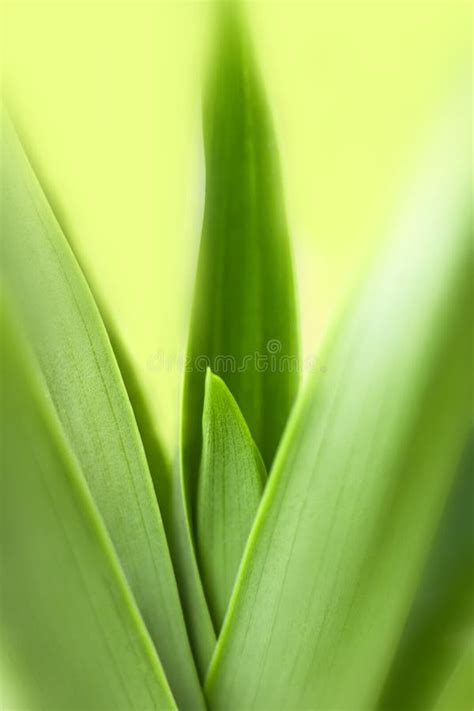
(332, 584)
(42, 279)
(69, 620)
(231, 481)
(245, 301)
(363, 470)
(244, 305)
(442, 614)
(458, 692)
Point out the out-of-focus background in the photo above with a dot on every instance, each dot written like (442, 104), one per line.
(107, 98)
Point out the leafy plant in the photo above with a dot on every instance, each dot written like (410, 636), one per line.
(299, 557)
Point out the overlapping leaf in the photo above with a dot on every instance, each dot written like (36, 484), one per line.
(244, 322)
(69, 622)
(44, 282)
(351, 505)
(245, 302)
(231, 480)
(156, 456)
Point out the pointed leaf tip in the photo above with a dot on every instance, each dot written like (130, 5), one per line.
(231, 481)
(244, 310)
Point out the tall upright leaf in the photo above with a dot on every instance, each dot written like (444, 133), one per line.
(341, 537)
(70, 625)
(244, 322)
(231, 481)
(47, 287)
(245, 295)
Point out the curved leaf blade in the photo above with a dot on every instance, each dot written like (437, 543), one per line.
(341, 536)
(69, 622)
(231, 481)
(51, 295)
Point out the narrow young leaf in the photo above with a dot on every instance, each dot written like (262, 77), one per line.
(352, 503)
(70, 626)
(48, 289)
(443, 611)
(244, 323)
(231, 481)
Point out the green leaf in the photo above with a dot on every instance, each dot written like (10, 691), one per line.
(231, 481)
(50, 293)
(245, 294)
(244, 323)
(342, 533)
(70, 625)
(443, 611)
(198, 618)
(458, 693)
(158, 462)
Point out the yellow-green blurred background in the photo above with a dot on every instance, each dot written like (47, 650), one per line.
(106, 95)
